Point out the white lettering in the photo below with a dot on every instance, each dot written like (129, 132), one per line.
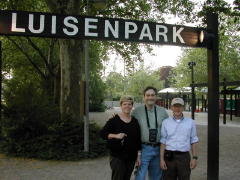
(108, 27)
(176, 33)
(145, 32)
(14, 24)
(31, 22)
(53, 25)
(73, 26)
(127, 29)
(88, 26)
(164, 33)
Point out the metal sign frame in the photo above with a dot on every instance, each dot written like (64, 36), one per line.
(38, 24)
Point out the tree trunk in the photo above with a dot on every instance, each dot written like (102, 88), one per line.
(71, 64)
(71, 59)
(57, 87)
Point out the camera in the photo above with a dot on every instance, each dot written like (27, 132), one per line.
(153, 135)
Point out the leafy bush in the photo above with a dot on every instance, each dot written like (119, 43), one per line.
(96, 94)
(117, 98)
(62, 142)
(31, 127)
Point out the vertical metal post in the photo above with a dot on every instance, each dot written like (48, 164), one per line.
(235, 103)
(198, 104)
(205, 105)
(193, 101)
(224, 102)
(86, 119)
(188, 103)
(167, 107)
(231, 105)
(191, 65)
(1, 81)
(213, 99)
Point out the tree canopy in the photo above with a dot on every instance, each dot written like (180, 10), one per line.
(132, 84)
(229, 43)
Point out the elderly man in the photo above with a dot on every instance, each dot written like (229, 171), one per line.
(178, 137)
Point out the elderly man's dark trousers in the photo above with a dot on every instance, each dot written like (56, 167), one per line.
(121, 169)
(178, 168)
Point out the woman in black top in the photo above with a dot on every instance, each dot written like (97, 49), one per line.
(122, 133)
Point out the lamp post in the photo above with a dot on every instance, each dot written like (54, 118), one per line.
(211, 39)
(97, 4)
(191, 66)
(213, 98)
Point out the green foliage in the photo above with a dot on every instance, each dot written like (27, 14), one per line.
(136, 83)
(31, 127)
(229, 63)
(61, 141)
(23, 5)
(229, 43)
(115, 86)
(96, 85)
(148, 10)
(180, 75)
(96, 92)
(133, 84)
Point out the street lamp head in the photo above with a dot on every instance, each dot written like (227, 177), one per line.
(205, 37)
(201, 36)
(191, 64)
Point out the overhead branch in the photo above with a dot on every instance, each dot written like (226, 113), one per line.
(27, 56)
(50, 53)
(53, 5)
(74, 6)
(41, 55)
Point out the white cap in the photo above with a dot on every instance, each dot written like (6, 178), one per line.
(177, 101)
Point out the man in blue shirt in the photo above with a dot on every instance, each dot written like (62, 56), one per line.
(178, 137)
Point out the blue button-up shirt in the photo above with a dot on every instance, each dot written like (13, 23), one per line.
(178, 135)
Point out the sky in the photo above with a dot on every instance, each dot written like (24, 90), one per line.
(162, 55)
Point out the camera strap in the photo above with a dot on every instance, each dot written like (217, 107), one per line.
(155, 112)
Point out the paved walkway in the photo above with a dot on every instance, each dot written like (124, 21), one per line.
(98, 169)
(201, 118)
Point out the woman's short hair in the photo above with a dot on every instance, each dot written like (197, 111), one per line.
(126, 98)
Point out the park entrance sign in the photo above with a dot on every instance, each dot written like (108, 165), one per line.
(38, 24)
(22, 23)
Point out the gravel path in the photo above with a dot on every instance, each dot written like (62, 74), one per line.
(98, 169)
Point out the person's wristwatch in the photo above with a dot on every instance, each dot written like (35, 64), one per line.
(195, 157)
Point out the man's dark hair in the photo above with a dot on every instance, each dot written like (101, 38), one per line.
(148, 88)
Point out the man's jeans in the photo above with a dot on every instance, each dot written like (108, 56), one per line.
(150, 161)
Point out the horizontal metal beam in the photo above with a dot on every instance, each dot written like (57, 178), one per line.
(230, 91)
(233, 83)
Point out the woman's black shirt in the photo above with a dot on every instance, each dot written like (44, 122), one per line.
(127, 148)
